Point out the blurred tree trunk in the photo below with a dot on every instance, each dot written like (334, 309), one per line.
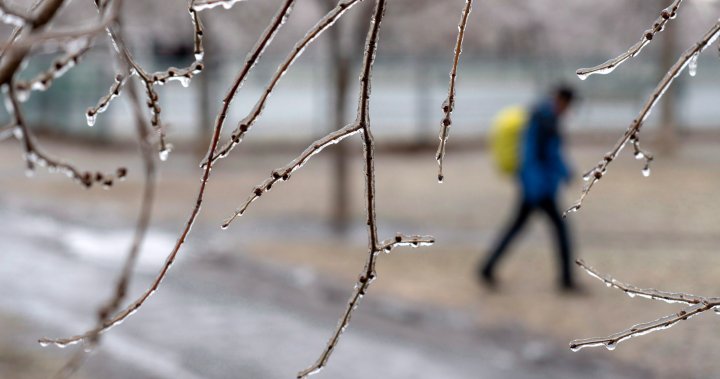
(340, 64)
(339, 61)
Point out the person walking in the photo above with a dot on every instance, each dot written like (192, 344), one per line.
(541, 172)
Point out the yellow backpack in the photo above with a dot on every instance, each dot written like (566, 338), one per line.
(506, 136)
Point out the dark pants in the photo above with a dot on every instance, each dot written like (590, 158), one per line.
(549, 207)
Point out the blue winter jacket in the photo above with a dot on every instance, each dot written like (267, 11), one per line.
(543, 168)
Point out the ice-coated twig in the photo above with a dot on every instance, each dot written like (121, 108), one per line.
(251, 60)
(369, 274)
(149, 80)
(34, 156)
(449, 104)
(647, 293)
(697, 304)
(246, 123)
(202, 5)
(284, 173)
(610, 342)
(631, 134)
(666, 15)
(401, 240)
(104, 102)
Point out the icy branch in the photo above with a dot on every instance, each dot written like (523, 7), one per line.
(284, 173)
(104, 101)
(610, 342)
(149, 80)
(406, 241)
(666, 15)
(697, 304)
(246, 124)
(34, 156)
(368, 275)
(632, 291)
(632, 133)
(449, 104)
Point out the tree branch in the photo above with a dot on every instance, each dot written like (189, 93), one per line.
(632, 133)
(449, 103)
(666, 15)
(697, 304)
(250, 62)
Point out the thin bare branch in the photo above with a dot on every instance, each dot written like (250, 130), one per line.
(632, 133)
(149, 80)
(401, 240)
(252, 58)
(34, 156)
(104, 102)
(284, 173)
(449, 104)
(697, 304)
(666, 15)
(647, 293)
(610, 342)
(246, 124)
(369, 274)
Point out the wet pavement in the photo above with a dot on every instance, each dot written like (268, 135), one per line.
(222, 314)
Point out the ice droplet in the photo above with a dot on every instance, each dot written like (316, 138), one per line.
(610, 345)
(164, 153)
(639, 155)
(646, 171)
(18, 132)
(91, 118)
(692, 65)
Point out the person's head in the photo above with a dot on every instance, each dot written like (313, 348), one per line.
(563, 97)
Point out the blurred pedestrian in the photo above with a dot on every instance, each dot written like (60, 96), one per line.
(541, 169)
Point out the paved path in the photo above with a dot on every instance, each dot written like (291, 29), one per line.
(225, 316)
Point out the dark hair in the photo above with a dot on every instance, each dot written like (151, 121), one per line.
(565, 92)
